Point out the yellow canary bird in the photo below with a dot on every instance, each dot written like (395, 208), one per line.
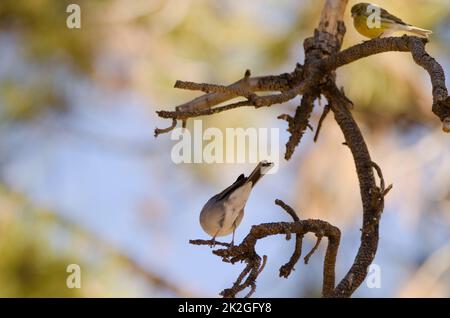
(373, 21)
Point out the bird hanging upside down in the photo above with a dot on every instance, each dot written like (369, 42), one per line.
(223, 213)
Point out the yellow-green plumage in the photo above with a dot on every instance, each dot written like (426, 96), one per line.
(360, 23)
(388, 23)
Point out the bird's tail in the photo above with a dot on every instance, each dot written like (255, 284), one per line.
(419, 31)
(259, 171)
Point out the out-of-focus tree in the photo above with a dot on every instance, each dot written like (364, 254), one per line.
(29, 264)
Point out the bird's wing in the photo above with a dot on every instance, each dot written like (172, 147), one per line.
(253, 177)
(239, 182)
(386, 17)
(238, 198)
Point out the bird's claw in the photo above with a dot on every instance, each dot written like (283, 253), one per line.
(213, 242)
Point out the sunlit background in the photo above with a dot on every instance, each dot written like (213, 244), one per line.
(84, 181)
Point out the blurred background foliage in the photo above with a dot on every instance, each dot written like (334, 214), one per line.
(77, 152)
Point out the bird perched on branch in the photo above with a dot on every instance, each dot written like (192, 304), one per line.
(373, 21)
(223, 213)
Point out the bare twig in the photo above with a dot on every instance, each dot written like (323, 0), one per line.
(288, 209)
(287, 268)
(206, 112)
(300, 123)
(159, 131)
(252, 290)
(379, 173)
(211, 88)
(208, 242)
(325, 112)
(307, 257)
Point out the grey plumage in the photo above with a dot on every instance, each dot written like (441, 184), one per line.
(224, 211)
